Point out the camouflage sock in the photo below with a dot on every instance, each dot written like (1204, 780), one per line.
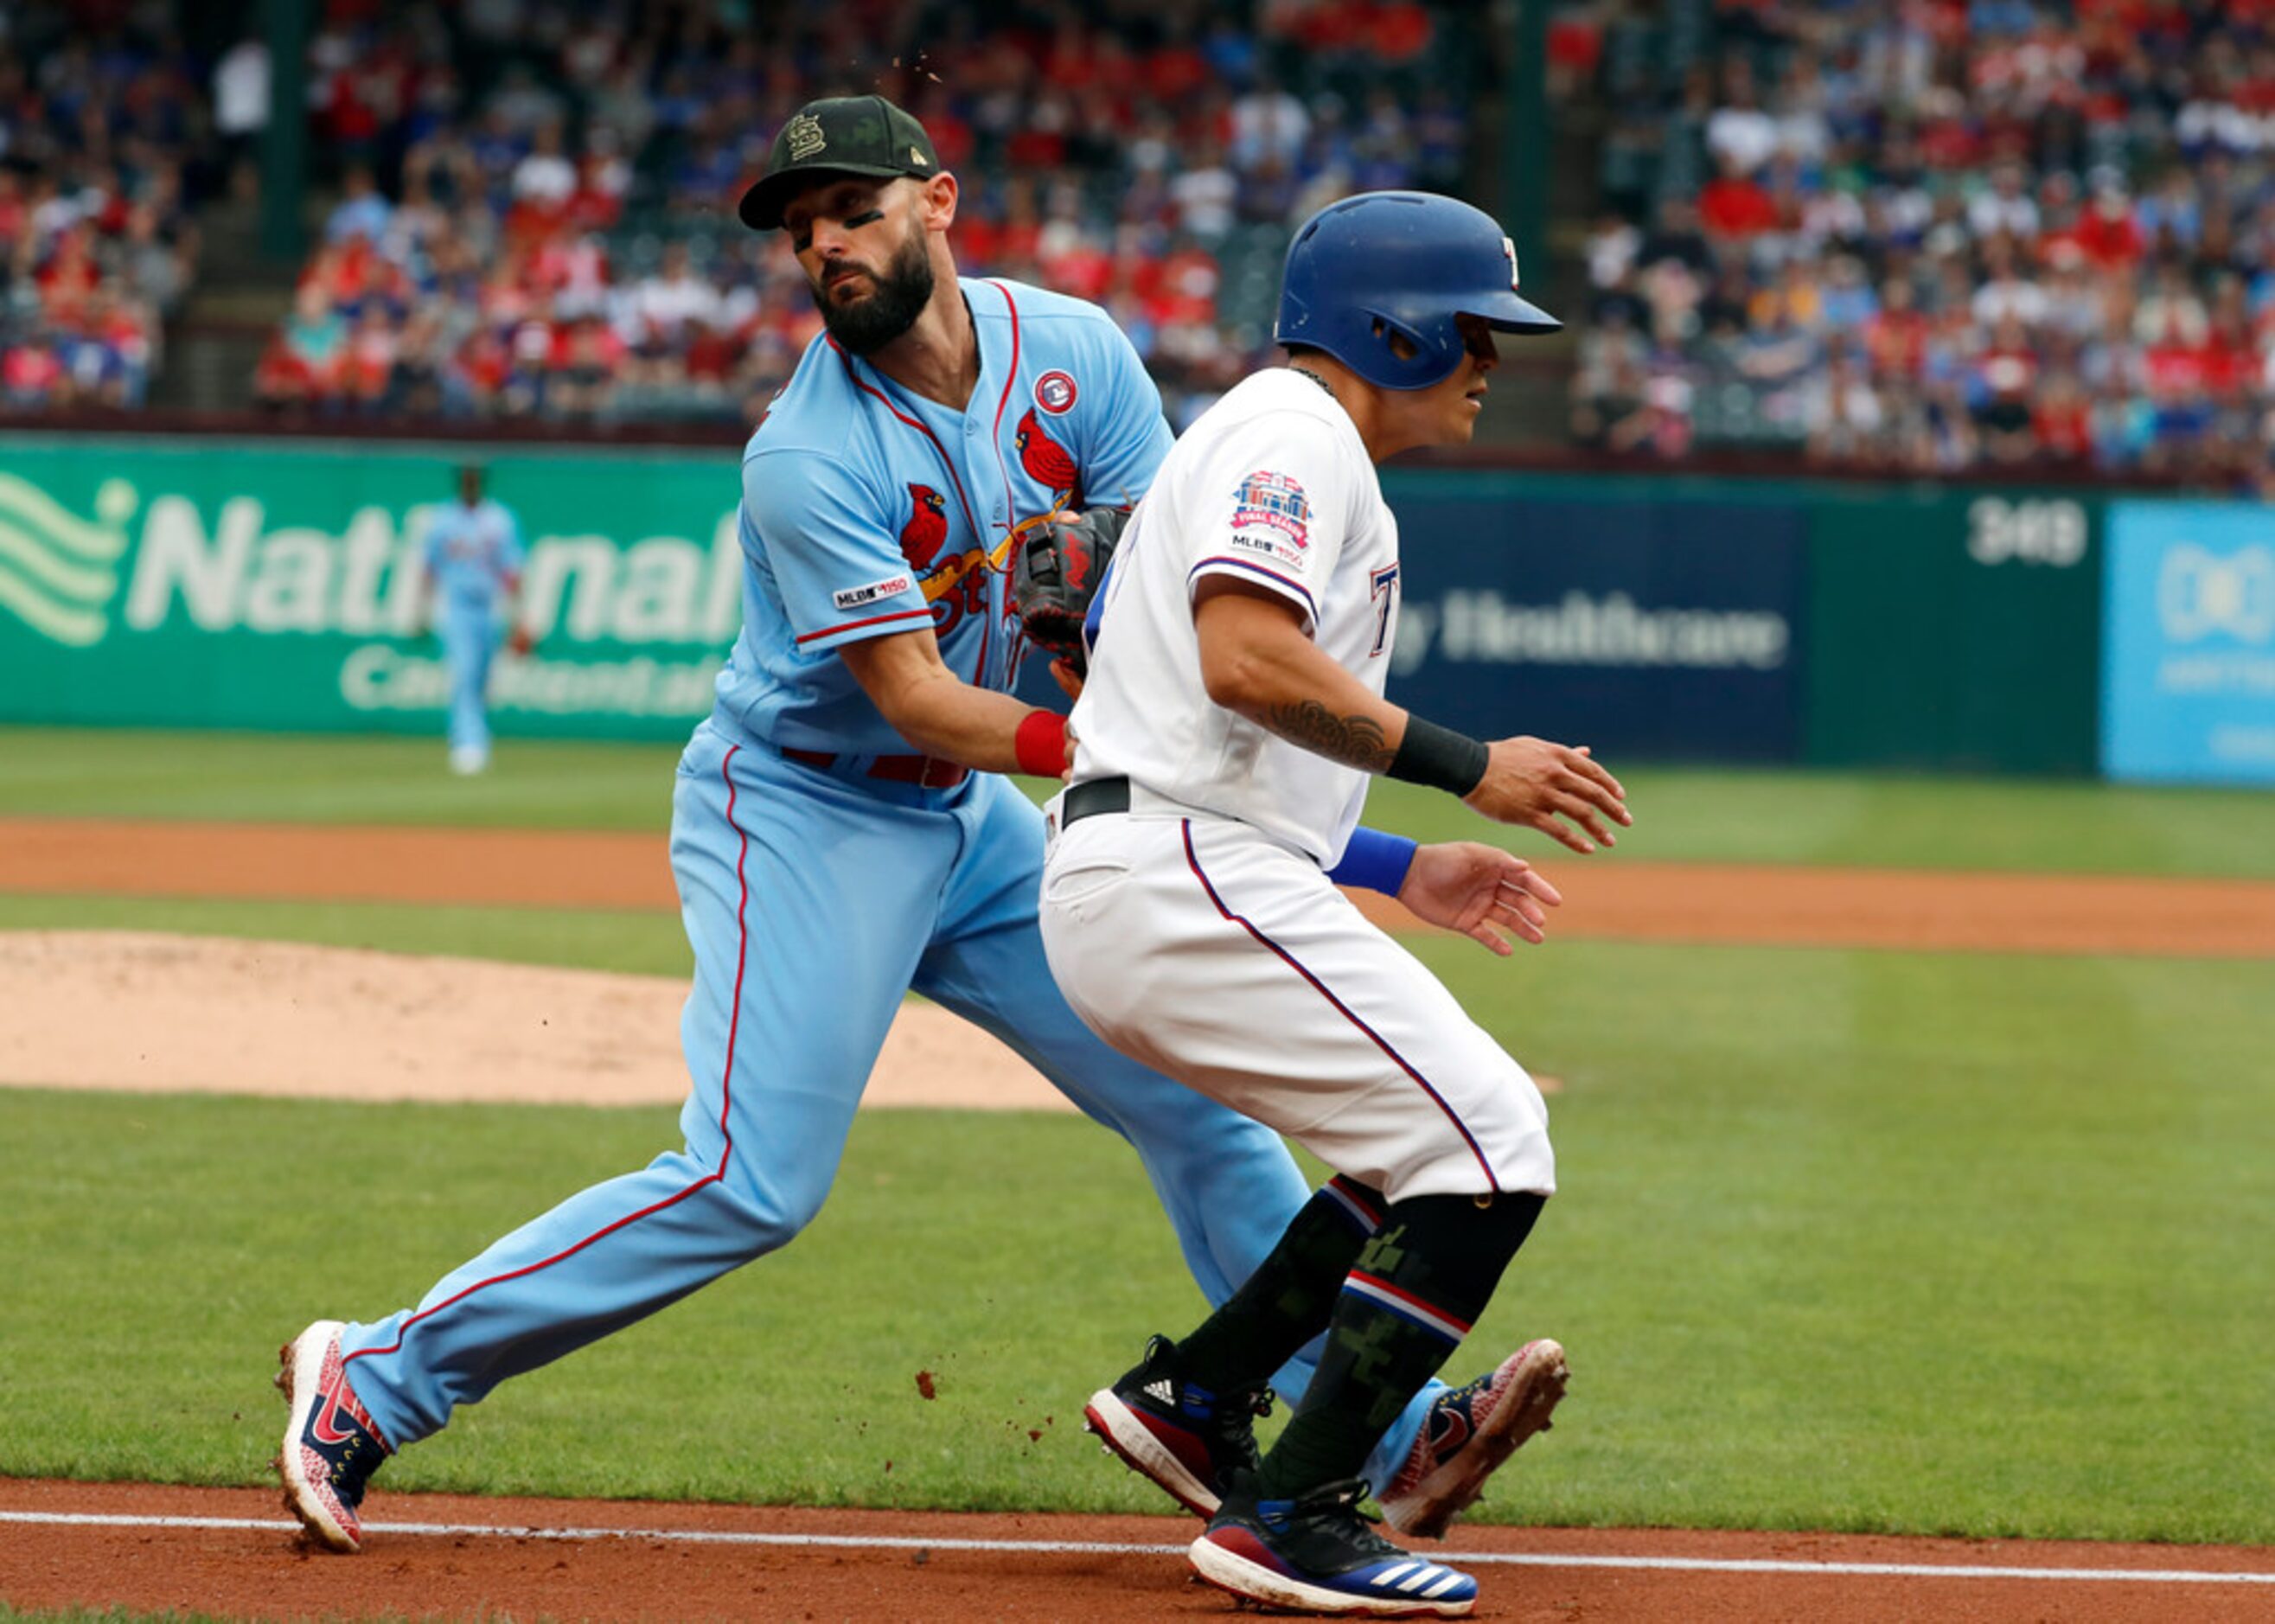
(1419, 1283)
(1289, 1299)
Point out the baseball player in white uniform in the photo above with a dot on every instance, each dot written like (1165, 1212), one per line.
(1233, 712)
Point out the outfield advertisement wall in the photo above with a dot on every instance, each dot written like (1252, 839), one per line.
(1688, 618)
(2188, 675)
(1956, 631)
(1658, 628)
(196, 584)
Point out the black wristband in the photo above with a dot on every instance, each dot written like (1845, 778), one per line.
(1439, 756)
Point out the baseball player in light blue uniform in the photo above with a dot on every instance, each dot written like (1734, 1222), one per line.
(473, 564)
(833, 844)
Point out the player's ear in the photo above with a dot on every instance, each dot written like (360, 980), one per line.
(936, 201)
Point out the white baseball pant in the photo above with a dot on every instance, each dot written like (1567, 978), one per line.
(1209, 951)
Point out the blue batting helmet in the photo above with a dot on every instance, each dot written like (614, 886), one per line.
(1403, 262)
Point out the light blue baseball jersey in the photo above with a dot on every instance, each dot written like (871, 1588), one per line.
(473, 552)
(868, 510)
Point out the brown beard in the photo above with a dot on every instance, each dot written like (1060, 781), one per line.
(902, 289)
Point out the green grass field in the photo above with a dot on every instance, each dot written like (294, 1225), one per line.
(1689, 815)
(1961, 1244)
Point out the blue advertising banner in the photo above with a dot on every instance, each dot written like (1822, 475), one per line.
(1666, 629)
(2188, 666)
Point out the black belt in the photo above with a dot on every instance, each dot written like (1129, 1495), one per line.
(1092, 798)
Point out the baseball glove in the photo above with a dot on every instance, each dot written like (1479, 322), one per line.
(1057, 572)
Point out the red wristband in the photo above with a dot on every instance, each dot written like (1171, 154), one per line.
(1040, 743)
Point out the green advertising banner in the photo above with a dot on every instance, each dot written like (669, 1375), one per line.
(1958, 631)
(191, 584)
(199, 583)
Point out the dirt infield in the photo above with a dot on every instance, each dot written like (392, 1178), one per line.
(228, 1551)
(1607, 896)
(344, 1023)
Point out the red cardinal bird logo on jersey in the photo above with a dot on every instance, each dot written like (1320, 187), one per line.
(926, 531)
(1047, 460)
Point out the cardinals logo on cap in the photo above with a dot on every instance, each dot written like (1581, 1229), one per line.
(926, 531)
(805, 137)
(1047, 461)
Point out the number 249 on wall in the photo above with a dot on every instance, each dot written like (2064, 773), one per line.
(2032, 531)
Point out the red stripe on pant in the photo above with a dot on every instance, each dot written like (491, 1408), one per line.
(726, 1102)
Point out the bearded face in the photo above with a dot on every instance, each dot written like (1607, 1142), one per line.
(864, 312)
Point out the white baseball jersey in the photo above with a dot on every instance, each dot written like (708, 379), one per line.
(1273, 485)
(1197, 931)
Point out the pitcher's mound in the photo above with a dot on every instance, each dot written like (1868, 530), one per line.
(132, 1010)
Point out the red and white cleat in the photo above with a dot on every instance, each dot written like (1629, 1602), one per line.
(331, 1444)
(1470, 1431)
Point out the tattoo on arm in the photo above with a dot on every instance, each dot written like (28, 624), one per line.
(1355, 741)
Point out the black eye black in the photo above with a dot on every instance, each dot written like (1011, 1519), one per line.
(866, 217)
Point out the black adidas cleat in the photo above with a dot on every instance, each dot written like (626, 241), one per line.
(1186, 1439)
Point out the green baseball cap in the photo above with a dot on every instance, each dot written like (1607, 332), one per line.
(843, 135)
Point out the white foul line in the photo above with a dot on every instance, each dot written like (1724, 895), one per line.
(1068, 1547)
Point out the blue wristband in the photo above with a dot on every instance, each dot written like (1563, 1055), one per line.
(1374, 861)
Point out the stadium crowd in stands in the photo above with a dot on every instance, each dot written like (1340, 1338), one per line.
(536, 218)
(1923, 234)
(1934, 233)
(98, 128)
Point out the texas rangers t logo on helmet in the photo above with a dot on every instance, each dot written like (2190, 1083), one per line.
(1054, 392)
(1509, 248)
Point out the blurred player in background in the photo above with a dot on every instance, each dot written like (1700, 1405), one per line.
(474, 567)
(1233, 712)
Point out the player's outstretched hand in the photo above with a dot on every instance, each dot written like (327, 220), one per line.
(1534, 782)
(1065, 674)
(1481, 891)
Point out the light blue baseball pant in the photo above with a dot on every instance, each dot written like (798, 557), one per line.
(812, 904)
(470, 638)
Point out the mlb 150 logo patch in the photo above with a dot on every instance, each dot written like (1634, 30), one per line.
(1276, 502)
(871, 592)
(1054, 392)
